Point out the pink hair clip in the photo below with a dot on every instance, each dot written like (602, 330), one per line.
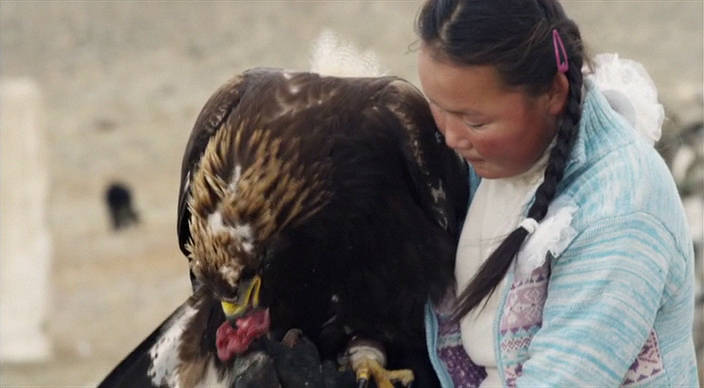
(562, 67)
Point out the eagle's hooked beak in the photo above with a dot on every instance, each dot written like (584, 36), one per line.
(233, 310)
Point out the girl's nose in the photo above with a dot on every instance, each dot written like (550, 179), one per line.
(455, 134)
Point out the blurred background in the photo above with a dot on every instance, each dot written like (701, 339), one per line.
(97, 93)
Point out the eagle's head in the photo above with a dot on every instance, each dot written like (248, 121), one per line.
(249, 186)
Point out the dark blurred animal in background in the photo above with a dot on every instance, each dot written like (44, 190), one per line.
(318, 214)
(118, 198)
(682, 147)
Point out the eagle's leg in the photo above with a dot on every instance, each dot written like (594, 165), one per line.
(368, 360)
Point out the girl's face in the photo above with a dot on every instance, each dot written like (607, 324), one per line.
(500, 131)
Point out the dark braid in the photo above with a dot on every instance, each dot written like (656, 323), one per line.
(516, 37)
(566, 135)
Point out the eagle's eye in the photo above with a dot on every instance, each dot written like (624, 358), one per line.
(248, 273)
(247, 298)
(233, 292)
(227, 294)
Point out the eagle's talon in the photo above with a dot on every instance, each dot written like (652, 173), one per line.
(368, 367)
(403, 376)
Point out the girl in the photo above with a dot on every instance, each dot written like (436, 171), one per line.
(575, 265)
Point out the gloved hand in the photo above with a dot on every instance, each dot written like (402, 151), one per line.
(290, 365)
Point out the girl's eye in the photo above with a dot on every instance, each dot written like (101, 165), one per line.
(474, 126)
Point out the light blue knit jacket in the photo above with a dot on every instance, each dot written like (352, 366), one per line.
(623, 288)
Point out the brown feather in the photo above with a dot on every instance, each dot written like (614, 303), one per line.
(263, 197)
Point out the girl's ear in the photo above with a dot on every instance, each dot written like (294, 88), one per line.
(557, 95)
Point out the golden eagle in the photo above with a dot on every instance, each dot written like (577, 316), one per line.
(322, 204)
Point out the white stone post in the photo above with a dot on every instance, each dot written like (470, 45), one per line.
(25, 243)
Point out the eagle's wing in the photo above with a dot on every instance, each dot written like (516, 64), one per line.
(144, 367)
(439, 175)
(181, 353)
(436, 176)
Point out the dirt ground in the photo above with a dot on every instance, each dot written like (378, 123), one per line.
(122, 83)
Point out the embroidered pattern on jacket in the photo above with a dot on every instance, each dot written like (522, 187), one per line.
(523, 316)
(464, 372)
(647, 365)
